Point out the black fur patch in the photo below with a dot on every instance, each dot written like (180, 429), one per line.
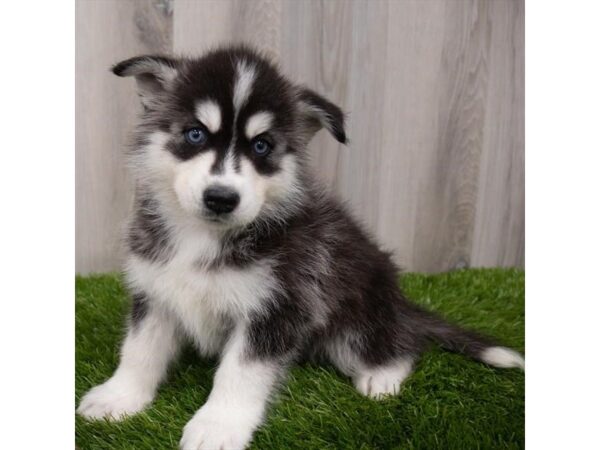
(213, 77)
(326, 113)
(148, 233)
(139, 65)
(282, 331)
(323, 256)
(139, 308)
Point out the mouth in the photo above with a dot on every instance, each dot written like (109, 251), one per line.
(216, 219)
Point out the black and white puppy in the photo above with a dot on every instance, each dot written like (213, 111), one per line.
(234, 246)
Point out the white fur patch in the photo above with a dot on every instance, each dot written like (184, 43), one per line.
(503, 357)
(243, 84)
(237, 402)
(258, 123)
(380, 381)
(209, 113)
(203, 299)
(342, 354)
(153, 162)
(282, 190)
(191, 178)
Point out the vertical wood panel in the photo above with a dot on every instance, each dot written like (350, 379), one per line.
(359, 166)
(499, 237)
(107, 32)
(449, 187)
(434, 92)
(415, 40)
(202, 25)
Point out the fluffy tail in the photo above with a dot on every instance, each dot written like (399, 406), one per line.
(455, 339)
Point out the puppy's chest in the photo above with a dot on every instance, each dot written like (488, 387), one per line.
(206, 300)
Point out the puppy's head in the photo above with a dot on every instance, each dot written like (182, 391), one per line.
(224, 135)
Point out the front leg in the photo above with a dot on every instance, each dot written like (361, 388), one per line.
(150, 345)
(254, 359)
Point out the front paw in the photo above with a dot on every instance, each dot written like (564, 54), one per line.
(114, 400)
(214, 430)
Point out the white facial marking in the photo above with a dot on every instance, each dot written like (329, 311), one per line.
(179, 185)
(503, 357)
(284, 184)
(228, 165)
(209, 113)
(243, 84)
(258, 123)
(191, 178)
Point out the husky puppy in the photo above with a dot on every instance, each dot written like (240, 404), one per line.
(234, 246)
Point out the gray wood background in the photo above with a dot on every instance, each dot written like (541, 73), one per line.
(435, 95)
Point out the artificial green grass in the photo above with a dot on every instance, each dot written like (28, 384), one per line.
(450, 402)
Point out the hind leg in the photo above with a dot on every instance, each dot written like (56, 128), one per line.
(372, 379)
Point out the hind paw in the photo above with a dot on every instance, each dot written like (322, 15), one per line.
(381, 381)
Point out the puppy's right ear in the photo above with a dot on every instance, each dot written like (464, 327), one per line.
(154, 75)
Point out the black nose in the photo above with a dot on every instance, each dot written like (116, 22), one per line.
(221, 199)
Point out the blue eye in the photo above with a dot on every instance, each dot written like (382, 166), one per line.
(261, 147)
(195, 136)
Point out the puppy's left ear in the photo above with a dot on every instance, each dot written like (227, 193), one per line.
(317, 112)
(154, 75)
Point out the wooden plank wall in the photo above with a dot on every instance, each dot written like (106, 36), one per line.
(435, 95)
(107, 31)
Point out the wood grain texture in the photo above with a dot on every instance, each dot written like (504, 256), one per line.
(444, 234)
(499, 236)
(202, 25)
(107, 32)
(434, 92)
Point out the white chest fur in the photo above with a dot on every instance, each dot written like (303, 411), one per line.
(205, 301)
